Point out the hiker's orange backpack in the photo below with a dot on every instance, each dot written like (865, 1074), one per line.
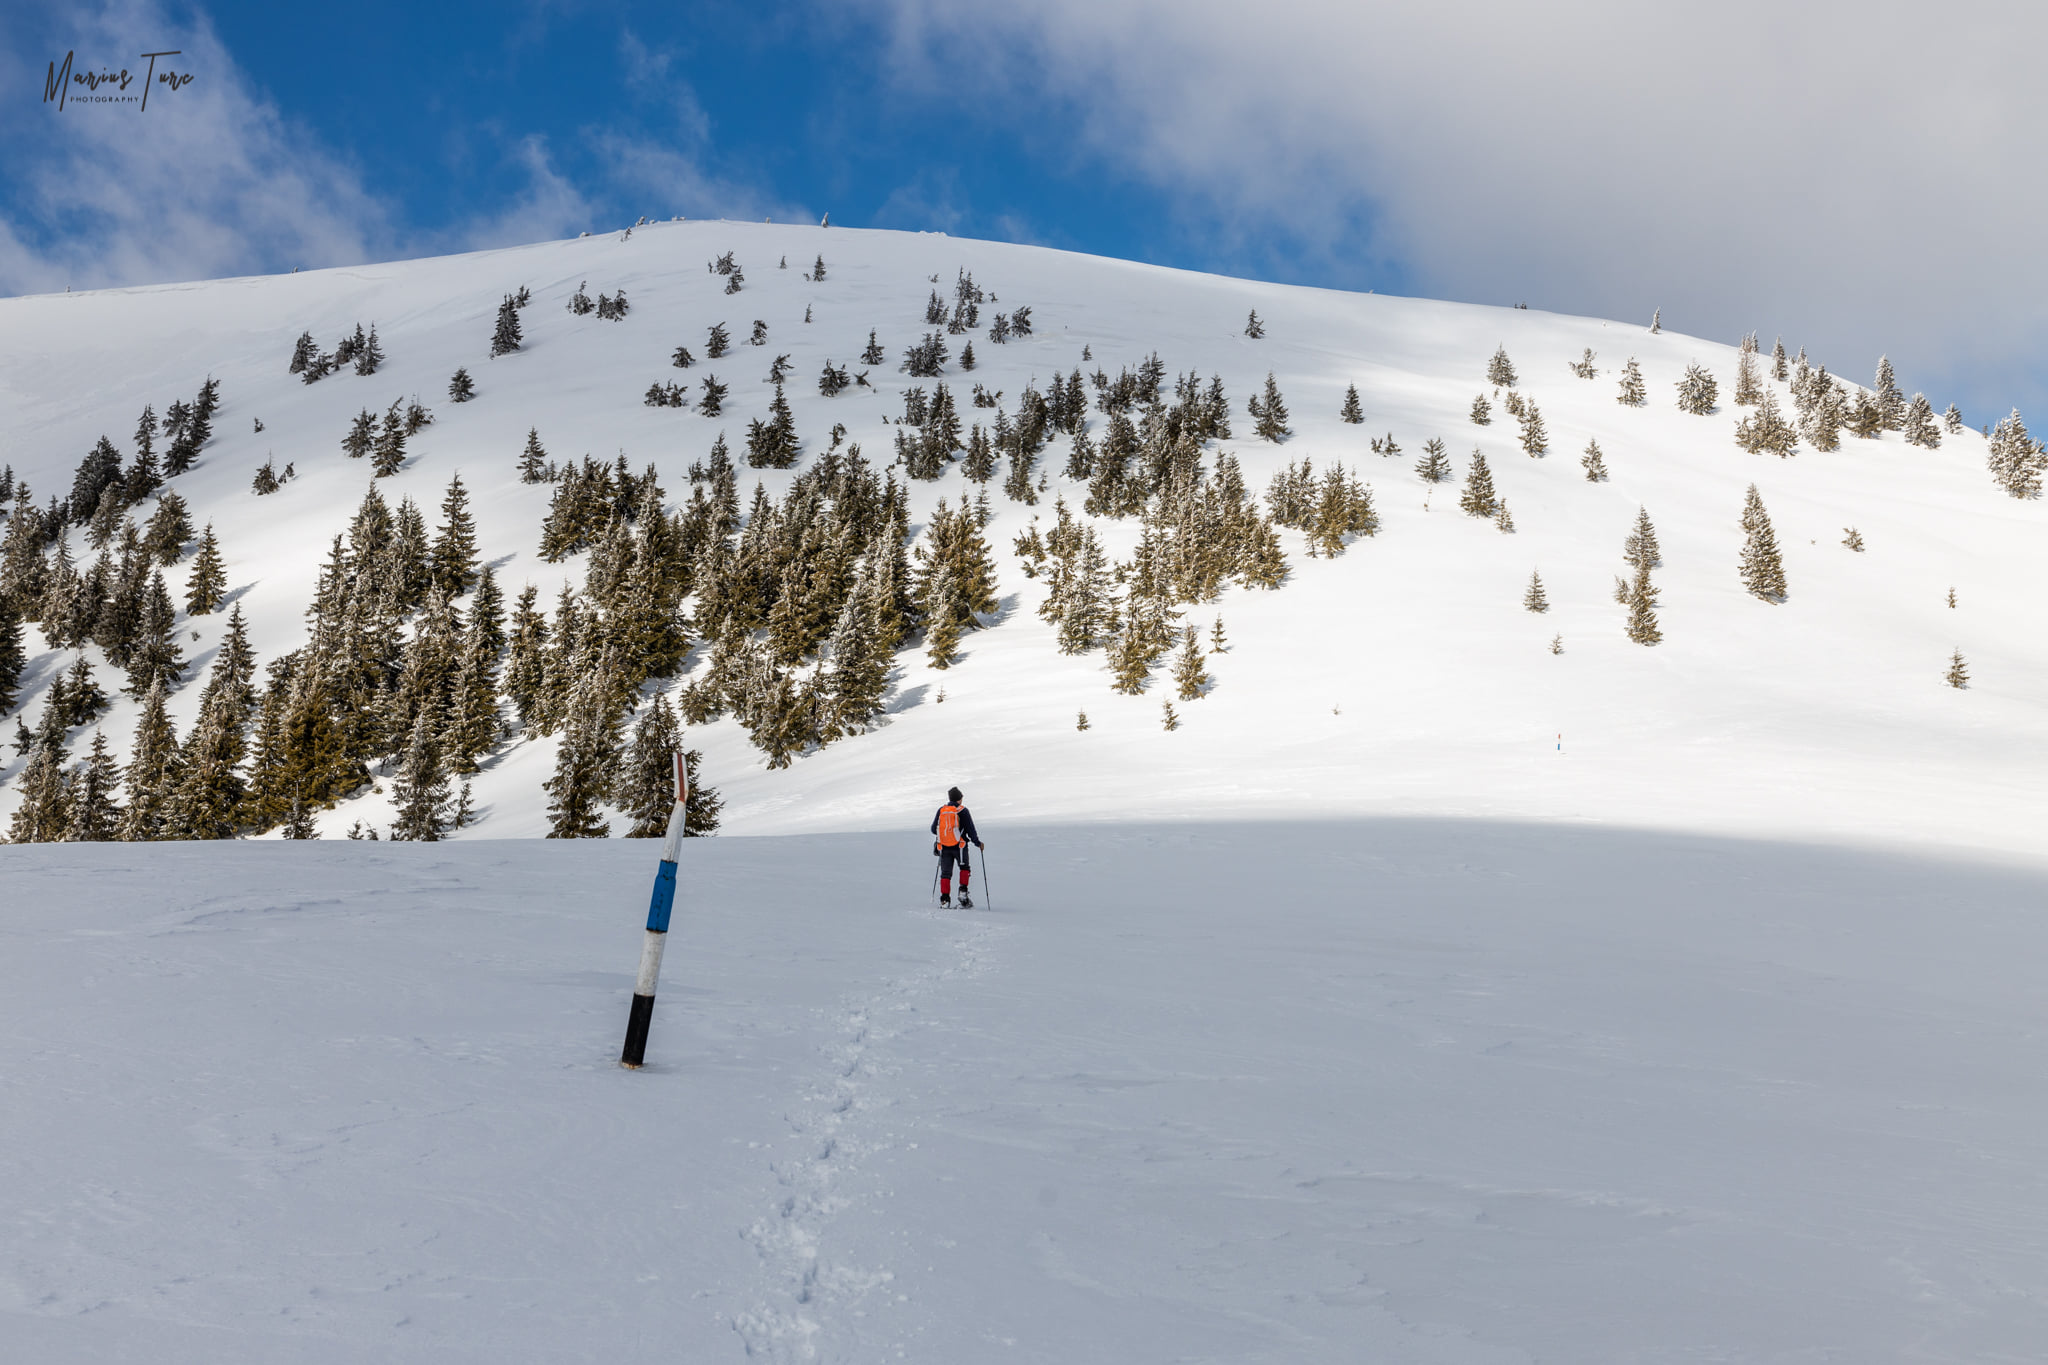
(949, 826)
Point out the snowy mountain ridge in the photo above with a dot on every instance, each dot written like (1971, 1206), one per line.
(1402, 675)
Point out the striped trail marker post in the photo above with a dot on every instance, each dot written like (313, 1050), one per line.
(658, 909)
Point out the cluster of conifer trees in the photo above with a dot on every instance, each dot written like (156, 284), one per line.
(796, 608)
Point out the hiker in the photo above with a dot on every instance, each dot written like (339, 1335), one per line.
(953, 828)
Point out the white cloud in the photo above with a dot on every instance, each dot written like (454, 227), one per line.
(1860, 176)
(215, 180)
(209, 180)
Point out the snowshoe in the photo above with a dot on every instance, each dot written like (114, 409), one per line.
(966, 901)
(945, 902)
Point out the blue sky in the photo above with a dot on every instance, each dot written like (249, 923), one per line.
(1799, 174)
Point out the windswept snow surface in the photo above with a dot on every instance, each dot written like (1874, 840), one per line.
(1428, 1091)
(1403, 677)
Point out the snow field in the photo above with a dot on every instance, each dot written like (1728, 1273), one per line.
(1439, 1091)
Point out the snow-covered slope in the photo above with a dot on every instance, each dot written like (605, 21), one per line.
(1403, 676)
(1469, 1093)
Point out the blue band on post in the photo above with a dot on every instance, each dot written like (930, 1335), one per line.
(664, 899)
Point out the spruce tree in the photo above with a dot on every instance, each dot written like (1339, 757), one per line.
(83, 698)
(1080, 720)
(645, 785)
(1766, 431)
(1891, 404)
(1169, 718)
(453, 556)
(1697, 391)
(1435, 465)
(419, 793)
(1534, 439)
(1640, 548)
(1762, 569)
(461, 388)
(1217, 643)
(299, 823)
(1593, 464)
(1583, 367)
(13, 657)
(1478, 498)
(505, 337)
(533, 461)
(1920, 427)
(369, 355)
(1749, 385)
(156, 656)
(1826, 414)
(1779, 371)
(942, 628)
(362, 435)
(1271, 412)
(1503, 520)
(584, 763)
(717, 342)
(1482, 411)
(1642, 609)
(207, 801)
(1952, 419)
(1253, 328)
(1533, 599)
(390, 454)
(2016, 459)
(45, 810)
(713, 401)
(95, 816)
(1130, 655)
(1958, 672)
(1632, 391)
(152, 769)
(1189, 670)
(1352, 412)
(1500, 371)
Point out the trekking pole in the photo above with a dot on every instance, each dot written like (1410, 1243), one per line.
(984, 879)
(935, 876)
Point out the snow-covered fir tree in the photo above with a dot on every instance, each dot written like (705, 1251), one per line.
(1633, 393)
(1762, 568)
(1478, 498)
(1352, 412)
(1891, 403)
(1500, 371)
(1765, 431)
(1920, 427)
(1435, 465)
(1535, 440)
(1593, 463)
(506, 335)
(2015, 458)
(1697, 391)
(1271, 412)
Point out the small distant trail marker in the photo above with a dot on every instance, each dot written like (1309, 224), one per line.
(658, 909)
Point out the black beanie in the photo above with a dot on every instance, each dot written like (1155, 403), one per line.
(953, 795)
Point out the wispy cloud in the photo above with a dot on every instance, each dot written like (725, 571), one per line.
(1859, 175)
(209, 180)
(217, 180)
